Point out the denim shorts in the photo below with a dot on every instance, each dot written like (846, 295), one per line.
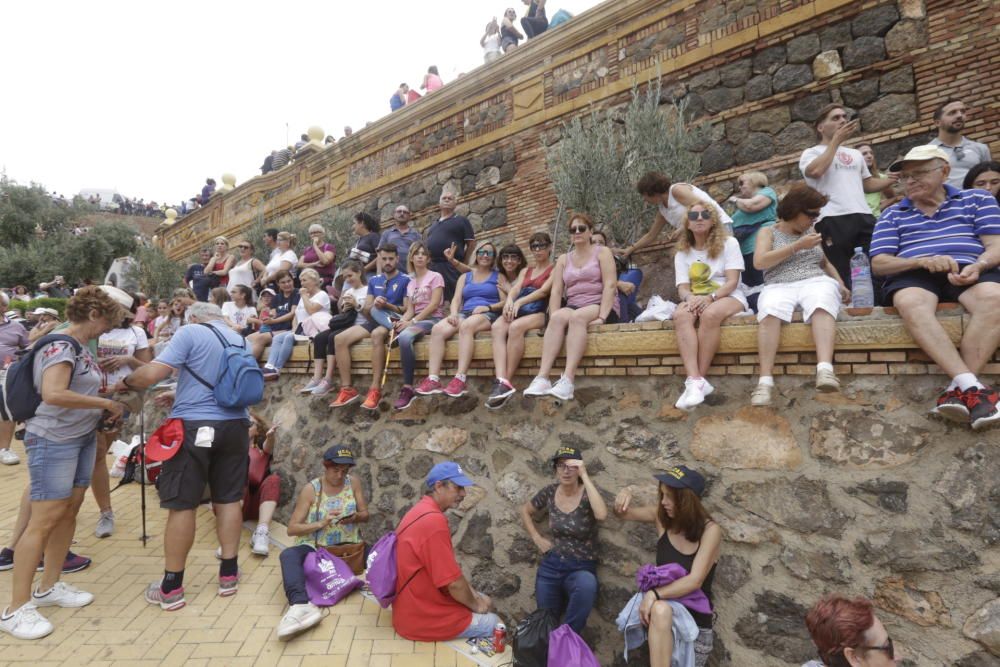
(56, 468)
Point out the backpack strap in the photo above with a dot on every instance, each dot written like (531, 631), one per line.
(225, 344)
(401, 531)
(57, 338)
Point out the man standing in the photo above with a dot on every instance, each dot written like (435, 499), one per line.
(434, 601)
(943, 244)
(196, 278)
(13, 338)
(270, 240)
(214, 450)
(400, 235)
(963, 153)
(846, 222)
(451, 233)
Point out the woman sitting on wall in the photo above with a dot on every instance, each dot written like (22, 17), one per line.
(327, 513)
(567, 576)
(283, 258)
(313, 306)
(848, 634)
(587, 276)
(687, 536)
(796, 275)
(422, 310)
(239, 311)
(476, 305)
(629, 281)
(707, 269)
(283, 306)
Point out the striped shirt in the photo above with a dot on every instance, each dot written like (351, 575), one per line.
(954, 229)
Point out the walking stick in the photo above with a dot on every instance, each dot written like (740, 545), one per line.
(388, 354)
(142, 464)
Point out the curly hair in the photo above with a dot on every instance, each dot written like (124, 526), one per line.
(716, 237)
(90, 299)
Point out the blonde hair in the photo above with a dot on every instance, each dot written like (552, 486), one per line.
(415, 247)
(287, 236)
(716, 237)
(755, 178)
(222, 239)
(310, 273)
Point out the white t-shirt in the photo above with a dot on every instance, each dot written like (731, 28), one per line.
(120, 343)
(321, 298)
(842, 182)
(238, 315)
(492, 43)
(360, 294)
(241, 274)
(278, 257)
(707, 274)
(675, 211)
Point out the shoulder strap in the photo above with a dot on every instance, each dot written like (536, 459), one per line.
(400, 531)
(56, 338)
(225, 344)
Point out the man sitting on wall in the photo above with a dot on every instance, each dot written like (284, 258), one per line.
(943, 244)
(434, 601)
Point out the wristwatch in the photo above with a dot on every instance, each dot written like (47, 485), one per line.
(713, 296)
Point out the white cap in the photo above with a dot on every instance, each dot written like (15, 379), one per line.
(919, 154)
(45, 311)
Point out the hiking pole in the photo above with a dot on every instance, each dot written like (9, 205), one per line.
(142, 464)
(388, 354)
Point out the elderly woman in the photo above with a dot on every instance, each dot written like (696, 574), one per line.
(686, 536)
(756, 208)
(327, 513)
(283, 258)
(245, 267)
(847, 633)
(221, 263)
(60, 443)
(476, 305)
(313, 301)
(796, 275)
(320, 255)
(707, 269)
(422, 310)
(587, 276)
(567, 576)
(280, 314)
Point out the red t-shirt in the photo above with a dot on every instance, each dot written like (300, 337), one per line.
(423, 610)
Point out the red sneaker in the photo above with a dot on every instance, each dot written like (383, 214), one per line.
(983, 409)
(951, 405)
(428, 387)
(455, 388)
(372, 399)
(346, 396)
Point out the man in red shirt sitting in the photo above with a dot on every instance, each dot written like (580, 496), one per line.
(434, 601)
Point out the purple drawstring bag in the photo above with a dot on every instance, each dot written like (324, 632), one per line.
(328, 578)
(381, 570)
(566, 648)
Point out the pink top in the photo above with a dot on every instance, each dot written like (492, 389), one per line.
(584, 286)
(325, 272)
(420, 292)
(433, 82)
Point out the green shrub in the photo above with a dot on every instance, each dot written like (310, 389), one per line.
(41, 302)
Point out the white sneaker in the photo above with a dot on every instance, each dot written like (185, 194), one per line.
(62, 595)
(762, 395)
(693, 394)
(706, 387)
(8, 457)
(25, 623)
(298, 618)
(105, 525)
(562, 389)
(826, 380)
(539, 387)
(260, 542)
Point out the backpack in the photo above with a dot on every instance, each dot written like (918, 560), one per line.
(241, 382)
(531, 638)
(20, 398)
(381, 571)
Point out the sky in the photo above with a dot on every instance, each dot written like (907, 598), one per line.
(150, 99)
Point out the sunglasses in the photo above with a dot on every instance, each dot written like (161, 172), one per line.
(539, 246)
(485, 253)
(704, 215)
(888, 648)
(578, 229)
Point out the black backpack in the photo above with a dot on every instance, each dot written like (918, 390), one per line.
(20, 398)
(531, 638)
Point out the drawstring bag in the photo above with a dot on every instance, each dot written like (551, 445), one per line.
(566, 649)
(328, 578)
(531, 638)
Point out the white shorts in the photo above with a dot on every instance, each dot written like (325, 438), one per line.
(781, 299)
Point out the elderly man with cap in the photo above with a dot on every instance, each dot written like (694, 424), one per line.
(13, 338)
(943, 244)
(46, 320)
(434, 600)
(327, 513)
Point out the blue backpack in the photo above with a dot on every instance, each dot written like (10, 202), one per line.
(20, 398)
(241, 382)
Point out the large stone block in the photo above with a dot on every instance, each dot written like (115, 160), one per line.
(748, 439)
(812, 565)
(770, 59)
(722, 98)
(875, 21)
(865, 441)
(800, 504)
(889, 113)
(864, 51)
(758, 87)
(827, 64)
(788, 77)
(859, 93)
(984, 626)
(807, 107)
(899, 80)
(923, 549)
(802, 49)
(441, 440)
(772, 120)
(904, 37)
(970, 485)
(795, 138)
(774, 627)
(898, 596)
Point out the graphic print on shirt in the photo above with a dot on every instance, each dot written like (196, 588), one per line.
(700, 276)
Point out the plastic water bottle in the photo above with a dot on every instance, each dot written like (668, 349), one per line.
(862, 293)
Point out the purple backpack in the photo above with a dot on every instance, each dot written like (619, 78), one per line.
(381, 571)
(568, 648)
(328, 578)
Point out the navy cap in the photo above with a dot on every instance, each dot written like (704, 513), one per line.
(683, 477)
(339, 454)
(567, 453)
(449, 471)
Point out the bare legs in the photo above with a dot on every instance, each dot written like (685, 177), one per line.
(49, 531)
(569, 325)
(661, 634)
(440, 334)
(467, 331)
(508, 342)
(100, 481)
(342, 343)
(699, 345)
(824, 332)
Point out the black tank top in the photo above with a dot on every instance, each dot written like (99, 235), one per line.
(667, 553)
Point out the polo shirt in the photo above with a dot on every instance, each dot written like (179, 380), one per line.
(393, 290)
(402, 241)
(972, 153)
(954, 229)
(14, 337)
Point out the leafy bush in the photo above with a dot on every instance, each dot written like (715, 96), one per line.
(41, 302)
(156, 274)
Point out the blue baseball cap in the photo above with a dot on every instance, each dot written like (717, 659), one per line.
(449, 471)
(339, 454)
(682, 477)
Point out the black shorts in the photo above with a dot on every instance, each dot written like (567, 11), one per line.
(936, 283)
(223, 466)
(370, 325)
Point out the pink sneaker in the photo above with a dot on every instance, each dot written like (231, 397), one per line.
(455, 388)
(429, 387)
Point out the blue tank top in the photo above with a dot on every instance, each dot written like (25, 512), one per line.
(485, 293)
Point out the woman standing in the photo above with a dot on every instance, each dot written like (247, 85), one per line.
(282, 312)
(491, 42)
(246, 267)
(327, 513)
(756, 208)
(367, 230)
(221, 263)
(283, 258)
(313, 300)
(587, 276)
(567, 576)
(422, 310)
(523, 311)
(707, 269)
(477, 304)
(320, 255)
(60, 445)
(689, 537)
(239, 311)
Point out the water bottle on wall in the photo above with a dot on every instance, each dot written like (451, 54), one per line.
(862, 292)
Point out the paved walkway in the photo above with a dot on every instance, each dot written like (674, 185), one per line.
(121, 629)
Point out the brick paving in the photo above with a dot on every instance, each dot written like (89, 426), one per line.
(121, 629)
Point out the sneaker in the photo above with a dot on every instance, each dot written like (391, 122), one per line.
(260, 542)
(562, 389)
(539, 387)
(25, 623)
(706, 387)
(62, 595)
(8, 457)
(308, 388)
(346, 396)
(762, 395)
(693, 394)
(74, 563)
(105, 525)
(429, 387)
(229, 585)
(502, 391)
(983, 409)
(455, 388)
(372, 399)
(6, 559)
(271, 374)
(826, 380)
(298, 618)
(323, 388)
(405, 398)
(951, 405)
(171, 601)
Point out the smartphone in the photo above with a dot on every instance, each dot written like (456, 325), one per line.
(341, 519)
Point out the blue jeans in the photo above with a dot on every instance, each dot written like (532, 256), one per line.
(282, 344)
(629, 306)
(567, 583)
(293, 574)
(55, 468)
(482, 625)
(406, 340)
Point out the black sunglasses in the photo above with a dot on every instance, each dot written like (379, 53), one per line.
(578, 229)
(539, 246)
(888, 648)
(704, 214)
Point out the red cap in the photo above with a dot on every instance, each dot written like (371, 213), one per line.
(165, 441)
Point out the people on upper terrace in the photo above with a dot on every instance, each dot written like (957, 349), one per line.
(398, 99)
(302, 142)
(942, 244)
(268, 165)
(281, 158)
(453, 233)
(490, 42)
(207, 191)
(963, 153)
(756, 207)
(400, 234)
(509, 34)
(432, 80)
(847, 633)
(534, 21)
(984, 176)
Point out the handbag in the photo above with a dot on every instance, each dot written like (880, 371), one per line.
(531, 638)
(352, 553)
(743, 232)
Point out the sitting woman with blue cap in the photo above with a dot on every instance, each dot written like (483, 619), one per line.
(327, 513)
(687, 537)
(567, 576)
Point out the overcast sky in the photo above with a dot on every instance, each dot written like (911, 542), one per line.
(152, 98)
